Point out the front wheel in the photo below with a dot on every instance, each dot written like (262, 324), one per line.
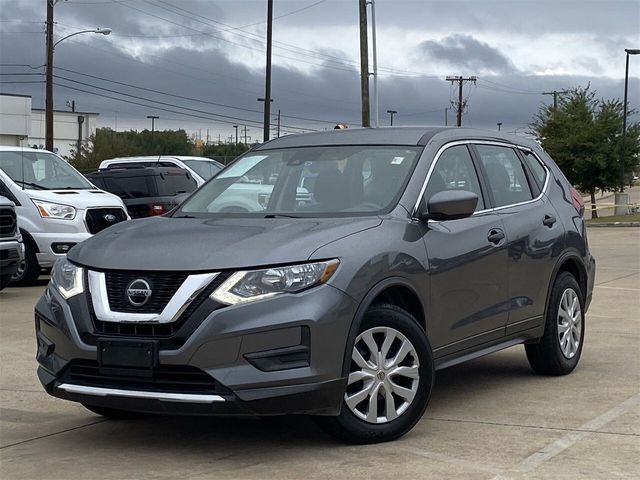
(4, 281)
(390, 379)
(559, 350)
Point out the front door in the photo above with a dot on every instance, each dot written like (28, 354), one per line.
(467, 263)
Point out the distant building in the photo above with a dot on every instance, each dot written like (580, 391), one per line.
(20, 124)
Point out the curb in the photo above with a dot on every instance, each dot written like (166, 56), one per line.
(613, 224)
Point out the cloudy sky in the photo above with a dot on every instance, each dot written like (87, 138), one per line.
(199, 64)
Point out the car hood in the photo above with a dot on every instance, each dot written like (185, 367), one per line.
(79, 199)
(191, 244)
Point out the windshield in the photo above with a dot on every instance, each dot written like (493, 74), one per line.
(206, 169)
(311, 181)
(41, 171)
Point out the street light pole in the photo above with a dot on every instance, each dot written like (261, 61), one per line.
(49, 70)
(392, 113)
(267, 85)
(236, 127)
(499, 125)
(629, 51)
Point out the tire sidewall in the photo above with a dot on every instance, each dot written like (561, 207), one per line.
(564, 282)
(31, 269)
(385, 316)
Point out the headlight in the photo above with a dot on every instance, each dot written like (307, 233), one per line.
(248, 286)
(55, 210)
(67, 278)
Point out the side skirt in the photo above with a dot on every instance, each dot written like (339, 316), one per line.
(489, 347)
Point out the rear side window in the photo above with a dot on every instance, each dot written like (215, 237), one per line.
(172, 183)
(131, 187)
(505, 175)
(536, 168)
(454, 171)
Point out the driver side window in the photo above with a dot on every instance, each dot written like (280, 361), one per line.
(454, 170)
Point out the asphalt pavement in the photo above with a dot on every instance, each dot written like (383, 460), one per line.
(491, 418)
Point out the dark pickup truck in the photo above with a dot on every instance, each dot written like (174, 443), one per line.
(146, 190)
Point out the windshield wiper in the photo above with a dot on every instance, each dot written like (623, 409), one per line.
(31, 184)
(280, 215)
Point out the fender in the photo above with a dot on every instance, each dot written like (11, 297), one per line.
(28, 240)
(573, 255)
(362, 308)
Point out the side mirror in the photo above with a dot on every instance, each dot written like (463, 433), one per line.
(450, 205)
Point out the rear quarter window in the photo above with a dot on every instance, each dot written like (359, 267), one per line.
(539, 172)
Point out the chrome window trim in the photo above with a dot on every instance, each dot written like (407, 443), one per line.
(481, 142)
(184, 296)
(162, 396)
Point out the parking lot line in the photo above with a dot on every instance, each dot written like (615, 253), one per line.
(545, 454)
(619, 288)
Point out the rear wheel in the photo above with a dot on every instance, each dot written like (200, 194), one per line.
(559, 350)
(390, 379)
(28, 270)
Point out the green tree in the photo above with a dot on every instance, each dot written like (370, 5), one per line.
(583, 135)
(107, 143)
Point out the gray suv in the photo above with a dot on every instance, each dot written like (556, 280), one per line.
(409, 250)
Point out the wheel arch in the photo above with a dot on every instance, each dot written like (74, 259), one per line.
(394, 290)
(573, 264)
(28, 240)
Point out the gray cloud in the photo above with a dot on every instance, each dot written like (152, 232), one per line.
(467, 53)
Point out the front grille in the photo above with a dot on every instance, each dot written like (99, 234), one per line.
(165, 378)
(8, 223)
(164, 285)
(98, 219)
(158, 330)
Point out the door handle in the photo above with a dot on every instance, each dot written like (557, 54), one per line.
(549, 220)
(495, 236)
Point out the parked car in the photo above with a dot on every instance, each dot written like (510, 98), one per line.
(11, 247)
(146, 190)
(201, 168)
(56, 206)
(420, 248)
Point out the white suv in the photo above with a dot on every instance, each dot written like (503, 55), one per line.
(56, 206)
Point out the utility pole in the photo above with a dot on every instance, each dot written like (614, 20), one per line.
(555, 94)
(267, 87)
(72, 105)
(153, 123)
(499, 125)
(376, 120)
(392, 113)
(278, 123)
(48, 143)
(364, 65)
(446, 116)
(245, 135)
(460, 104)
(236, 127)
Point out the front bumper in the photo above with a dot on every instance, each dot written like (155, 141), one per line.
(47, 241)
(11, 254)
(253, 355)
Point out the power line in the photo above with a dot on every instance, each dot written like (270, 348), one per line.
(460, 104)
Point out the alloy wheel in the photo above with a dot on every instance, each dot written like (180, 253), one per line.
(569, 323)
(384, 375)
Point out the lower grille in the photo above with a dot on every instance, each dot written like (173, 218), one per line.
(165, 378)
(8, 222)
(97, 219)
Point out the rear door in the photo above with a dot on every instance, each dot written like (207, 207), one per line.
(467, 262)
(534, 235)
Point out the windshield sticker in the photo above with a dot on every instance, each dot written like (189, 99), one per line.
(397, 160)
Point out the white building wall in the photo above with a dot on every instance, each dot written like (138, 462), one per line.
(15, 119)
(65, 129)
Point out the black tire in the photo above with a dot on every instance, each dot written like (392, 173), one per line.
(546, 357)
(351, 428)
(113, 413)
(29, 271)
(4, 281)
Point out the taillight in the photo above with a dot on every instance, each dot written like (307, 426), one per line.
(158, 209)
(578, 203)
